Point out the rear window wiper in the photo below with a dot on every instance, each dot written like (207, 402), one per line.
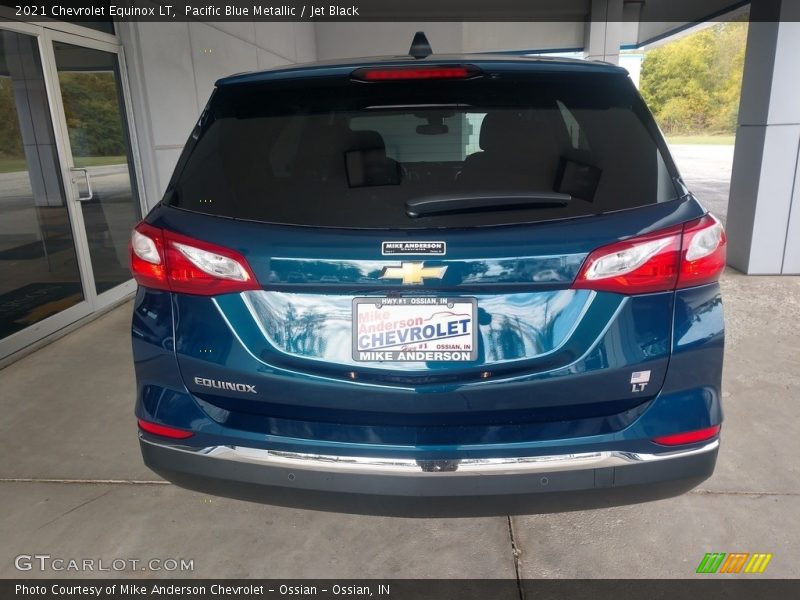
(432, 204)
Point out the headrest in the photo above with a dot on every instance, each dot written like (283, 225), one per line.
(498, 127)
(367, 163)
(366, 140)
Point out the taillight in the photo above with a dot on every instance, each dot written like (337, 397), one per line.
(644, 264)
(163, 430)
(147, 256)
(165, 260)
(688, 437)
(195, 267)
(416, 73)
(677, 257)
(704, 249)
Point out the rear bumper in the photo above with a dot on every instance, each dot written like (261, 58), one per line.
(434, 488)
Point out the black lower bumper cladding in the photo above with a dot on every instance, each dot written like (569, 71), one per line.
(431, 494)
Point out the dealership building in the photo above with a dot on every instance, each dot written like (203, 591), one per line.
(93, 117)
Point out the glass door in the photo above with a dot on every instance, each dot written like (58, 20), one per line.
(41, 281)
(99, 156)
(68, 188)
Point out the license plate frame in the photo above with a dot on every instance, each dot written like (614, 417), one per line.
(453, 339)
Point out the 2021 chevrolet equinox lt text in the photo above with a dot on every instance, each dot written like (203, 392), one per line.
(429, 284)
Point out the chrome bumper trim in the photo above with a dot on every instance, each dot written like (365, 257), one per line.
(450, 468)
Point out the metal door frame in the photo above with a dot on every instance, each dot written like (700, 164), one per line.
(92, 301)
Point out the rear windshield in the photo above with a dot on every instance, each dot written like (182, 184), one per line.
(340, 153)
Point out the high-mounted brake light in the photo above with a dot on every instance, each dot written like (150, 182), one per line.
(165, 260)
(677, 257)
(412, 73)
(163, 430)
(688, 437)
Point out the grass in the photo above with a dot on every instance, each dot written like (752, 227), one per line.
(715, 139)
(99, 161)
(12, 165)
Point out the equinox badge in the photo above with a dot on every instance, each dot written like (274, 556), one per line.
(413, 273)
(225, 385)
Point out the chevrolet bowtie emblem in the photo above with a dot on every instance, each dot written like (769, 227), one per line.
(413, 273)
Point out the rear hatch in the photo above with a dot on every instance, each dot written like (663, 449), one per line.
(414, 245)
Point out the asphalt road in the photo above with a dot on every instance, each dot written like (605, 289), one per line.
(707, 172)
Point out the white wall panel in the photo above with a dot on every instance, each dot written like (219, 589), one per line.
(166, 159)
(168, 80)
(268, 60)
(348, 40)
(242, 30)
(176, 65)
(217, 54)
(305, 42)
(278, 38)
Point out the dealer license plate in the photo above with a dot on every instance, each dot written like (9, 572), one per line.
(415, 329)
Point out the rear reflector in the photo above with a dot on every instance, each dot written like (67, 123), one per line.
(164, 431)
(410, 73)
(688, 437)
(166, 260)
(676, 257)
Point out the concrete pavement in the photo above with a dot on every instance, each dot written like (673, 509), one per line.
(232, 539)
(751, 502)
(72, 483)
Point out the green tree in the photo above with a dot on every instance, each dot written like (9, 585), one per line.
(92, 111)
(692, 85)
(10, 137)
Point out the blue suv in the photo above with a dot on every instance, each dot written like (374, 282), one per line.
(429, 285)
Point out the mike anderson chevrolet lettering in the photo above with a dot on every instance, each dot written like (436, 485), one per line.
(438, 248)
(414, 329)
